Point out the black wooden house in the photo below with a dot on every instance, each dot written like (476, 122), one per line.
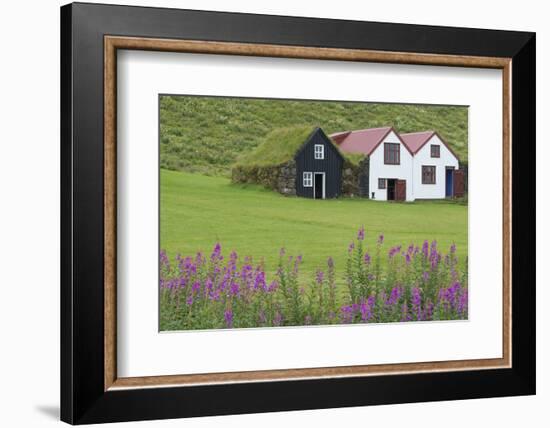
(318, 167)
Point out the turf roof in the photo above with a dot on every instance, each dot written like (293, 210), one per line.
(281, 145)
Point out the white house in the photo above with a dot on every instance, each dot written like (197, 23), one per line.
(434, 165)
(403, 167)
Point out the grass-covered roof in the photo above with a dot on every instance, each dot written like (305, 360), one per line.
(281, 145)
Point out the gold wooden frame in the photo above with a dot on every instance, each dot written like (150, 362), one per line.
(112, 43)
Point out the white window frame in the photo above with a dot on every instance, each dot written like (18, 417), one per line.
(319, 154)
(323, 181)
(307, 179)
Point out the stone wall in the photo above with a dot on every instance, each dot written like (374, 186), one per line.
(355, 179)
(281, 178)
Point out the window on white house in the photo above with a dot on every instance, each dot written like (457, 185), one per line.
(392, 154)
(428, 174)
(319, 151)
(381, 183)
(308, 179)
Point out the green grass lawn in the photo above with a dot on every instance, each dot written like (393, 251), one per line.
(197, 211)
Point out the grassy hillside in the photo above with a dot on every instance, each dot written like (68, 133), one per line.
(207, 135)
(197, 211)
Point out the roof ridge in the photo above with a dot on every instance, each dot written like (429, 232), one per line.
(431, 131)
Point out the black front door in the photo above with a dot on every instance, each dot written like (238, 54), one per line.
(391, 190)
(318, 186)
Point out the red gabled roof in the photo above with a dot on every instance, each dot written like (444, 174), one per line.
(362, 140)
(416, 140)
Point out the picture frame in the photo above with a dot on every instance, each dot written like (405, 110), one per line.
(91, 391)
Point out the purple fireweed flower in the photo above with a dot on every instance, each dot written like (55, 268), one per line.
(380, 239)
(319, 277)
(416, 301)
(172, 284)
(234, 290)
(425, 247)
(393, 251)
(351, 247)
(196, 286)
(228, 315)
(453, 248)
(371, 301)
(246, 274)
(186, 265)
(425, 276)
(259, 280)
(395, 294)
(452, 293)
(428, 311)
(410, 249)
(281, 252)
(370, 276)
(408, 258)
(189, 300)
(416, 298)
(216, 253)
(366, 309)
(330, 262)
(367, 258)
(361, 233)
(302, 291)
(208, 285)
(278, 319)
(347, 314)
(164, 260)
(214, 295)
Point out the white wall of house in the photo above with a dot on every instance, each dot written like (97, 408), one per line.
(378, 169)
(423, 157)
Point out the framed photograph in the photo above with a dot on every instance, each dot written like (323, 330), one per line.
(265, 213)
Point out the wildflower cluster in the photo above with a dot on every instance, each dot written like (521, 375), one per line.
(416, 283)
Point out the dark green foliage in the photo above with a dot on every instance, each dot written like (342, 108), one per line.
(207, 135)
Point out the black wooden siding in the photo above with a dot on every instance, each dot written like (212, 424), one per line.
(331, 165)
